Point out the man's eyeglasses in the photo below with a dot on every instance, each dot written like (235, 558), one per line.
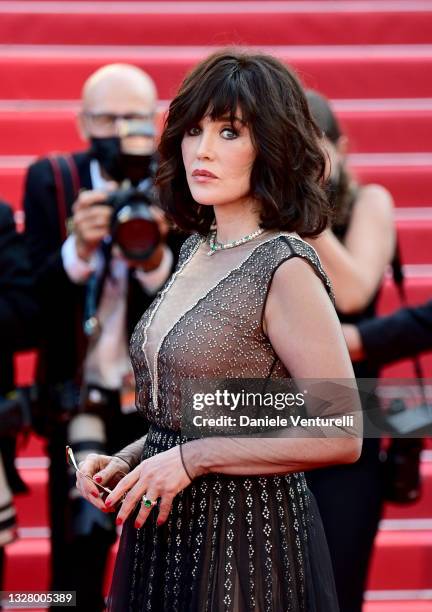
(70, 458)
(108, 121)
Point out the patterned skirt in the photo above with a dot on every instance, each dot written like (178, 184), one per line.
(231, 544)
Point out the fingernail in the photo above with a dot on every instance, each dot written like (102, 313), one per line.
(107, 504)
(119, 521)
(94, 494)
(137, 525)
(98, 478)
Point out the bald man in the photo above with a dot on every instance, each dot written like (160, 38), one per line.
(81, 276)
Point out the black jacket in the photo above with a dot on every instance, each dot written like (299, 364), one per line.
(403, 334)
(62, 301)
(18, 311)
(18, 321)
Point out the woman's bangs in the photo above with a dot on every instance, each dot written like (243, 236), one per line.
(223, 100)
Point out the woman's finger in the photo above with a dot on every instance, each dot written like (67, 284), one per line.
(122, 488)
(151, 495)
(165, 506)
(113, 470)
(130, 502)
(90, 492)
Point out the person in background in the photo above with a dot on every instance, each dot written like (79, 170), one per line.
(355, 252)
(400, 335)
(18, 318)
(86, 283)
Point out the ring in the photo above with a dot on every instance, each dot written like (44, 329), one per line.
(148, 503)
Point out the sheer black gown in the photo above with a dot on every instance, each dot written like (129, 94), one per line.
(231, 543)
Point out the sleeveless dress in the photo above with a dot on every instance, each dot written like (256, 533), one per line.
(231, 543)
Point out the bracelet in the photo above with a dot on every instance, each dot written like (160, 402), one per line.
(183, 463)
(123, 459)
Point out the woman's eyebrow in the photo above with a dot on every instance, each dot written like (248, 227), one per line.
(229, 118)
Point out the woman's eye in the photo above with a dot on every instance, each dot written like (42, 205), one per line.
(229, 133)
(193, 131)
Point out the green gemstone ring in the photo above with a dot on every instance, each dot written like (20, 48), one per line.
(148, 503)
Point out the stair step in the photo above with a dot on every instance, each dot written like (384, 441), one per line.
(363, 71)
(401, 560)
(398, 606)
(199, 23)
(32, 508)
(39, 131)
(27, 565)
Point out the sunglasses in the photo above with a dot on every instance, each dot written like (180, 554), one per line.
(70, 458)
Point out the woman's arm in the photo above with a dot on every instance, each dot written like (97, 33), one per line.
(132, 453)
(304, 330)
(356, 267)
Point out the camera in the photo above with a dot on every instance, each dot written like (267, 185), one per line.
(133, 228)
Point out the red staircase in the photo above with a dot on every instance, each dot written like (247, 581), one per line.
(373, 58)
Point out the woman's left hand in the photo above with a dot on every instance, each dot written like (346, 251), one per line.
(161, 476)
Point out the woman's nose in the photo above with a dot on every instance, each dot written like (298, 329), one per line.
(205, 147)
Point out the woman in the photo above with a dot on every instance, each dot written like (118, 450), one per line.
(236, 528)
(355, 253)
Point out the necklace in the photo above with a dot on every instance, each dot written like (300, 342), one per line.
(219, 246)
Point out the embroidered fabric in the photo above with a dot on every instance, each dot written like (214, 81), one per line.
(235, 543)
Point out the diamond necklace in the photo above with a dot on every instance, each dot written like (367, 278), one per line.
(219, 246)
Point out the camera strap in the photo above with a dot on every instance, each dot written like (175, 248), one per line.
(67, 186)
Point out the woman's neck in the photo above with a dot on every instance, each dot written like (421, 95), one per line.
(234, 221)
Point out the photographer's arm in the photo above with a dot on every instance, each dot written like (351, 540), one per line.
(383, 340)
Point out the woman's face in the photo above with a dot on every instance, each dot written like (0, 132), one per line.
(218, 160)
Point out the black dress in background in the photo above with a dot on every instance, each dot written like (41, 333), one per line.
(350, 497)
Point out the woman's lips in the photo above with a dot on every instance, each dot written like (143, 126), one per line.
(203, 176)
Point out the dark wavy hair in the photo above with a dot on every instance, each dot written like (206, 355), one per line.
(288, 171)
(343, 194)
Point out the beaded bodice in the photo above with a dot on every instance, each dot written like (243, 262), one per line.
(207, 322)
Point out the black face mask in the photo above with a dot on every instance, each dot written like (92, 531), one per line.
(118, 165)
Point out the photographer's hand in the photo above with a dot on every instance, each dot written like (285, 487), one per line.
(91, 221)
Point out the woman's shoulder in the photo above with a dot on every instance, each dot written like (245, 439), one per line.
(284, 244)
(189, 245)
(287, 245)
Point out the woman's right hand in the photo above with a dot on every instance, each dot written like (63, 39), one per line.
(103, 469)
